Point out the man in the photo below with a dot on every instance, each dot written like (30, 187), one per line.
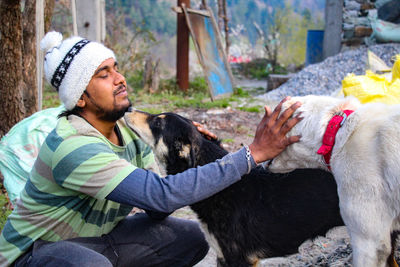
(90, 172)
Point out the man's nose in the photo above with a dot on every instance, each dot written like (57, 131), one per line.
(118, 78)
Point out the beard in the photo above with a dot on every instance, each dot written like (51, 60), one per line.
(111, 115)
(115, 114)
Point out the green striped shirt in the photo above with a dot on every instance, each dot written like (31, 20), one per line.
(64, 197)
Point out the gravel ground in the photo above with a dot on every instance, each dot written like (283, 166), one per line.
(325, 78)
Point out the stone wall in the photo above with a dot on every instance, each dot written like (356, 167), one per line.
(356, 25)
(357, 17)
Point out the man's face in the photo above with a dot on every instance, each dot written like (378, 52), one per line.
(106, 94)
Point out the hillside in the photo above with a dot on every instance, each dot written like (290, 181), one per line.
(245, 16)
(156, 15)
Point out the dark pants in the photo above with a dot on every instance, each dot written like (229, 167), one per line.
(135, 241)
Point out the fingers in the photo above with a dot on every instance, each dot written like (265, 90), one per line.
(293, 139)
(287, 114)
(278, 109)
(209, 134)
(266, 118)
(204, 131)
(195, 123)
(290, 124)
(268, 111)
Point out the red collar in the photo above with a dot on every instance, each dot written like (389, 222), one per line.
(330, 133)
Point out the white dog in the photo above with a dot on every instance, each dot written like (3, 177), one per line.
(365, 161)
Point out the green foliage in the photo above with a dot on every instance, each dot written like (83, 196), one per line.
(258, 72)
(259, 69)
(169, 97)
(152, 110)
(294, 34)
(151, 15)
(199, 84)
(130, 40)
(255, 109)
(135, 79)
(240, 92)
(50, 97)
(5, 209)
(227, 141)
(255, 69)
(259, 12)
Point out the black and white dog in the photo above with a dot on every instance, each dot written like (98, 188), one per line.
(263, 215)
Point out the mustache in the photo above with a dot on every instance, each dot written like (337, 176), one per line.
(119, 89)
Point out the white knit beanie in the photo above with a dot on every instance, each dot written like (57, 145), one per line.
(70, 64)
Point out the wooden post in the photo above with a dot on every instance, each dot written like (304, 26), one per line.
(182, 49)
(89, 16)
(39, 53)
(333, 28)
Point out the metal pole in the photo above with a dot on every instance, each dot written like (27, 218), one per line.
(182, 49)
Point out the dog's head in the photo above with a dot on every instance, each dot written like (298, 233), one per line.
(316, 112)
(174, 139)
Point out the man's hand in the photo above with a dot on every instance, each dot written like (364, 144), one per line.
(270, 138)
(209, 135)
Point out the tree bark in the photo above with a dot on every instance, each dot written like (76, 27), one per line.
(223, 22)
(220, 14)
(226, 27)
(11, 101)
(48, 14)
(203, 4)
(29, 93)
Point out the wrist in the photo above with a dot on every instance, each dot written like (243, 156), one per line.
(251, 163)
(253, 153)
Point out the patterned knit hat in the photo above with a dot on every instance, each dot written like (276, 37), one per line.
(70, 64)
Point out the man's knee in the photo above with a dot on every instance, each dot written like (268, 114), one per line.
(195, 235)
(64, 253)
(193, 244)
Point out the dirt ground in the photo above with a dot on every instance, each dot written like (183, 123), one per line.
(234, 127)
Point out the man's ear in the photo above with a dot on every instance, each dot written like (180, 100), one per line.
(81, 103)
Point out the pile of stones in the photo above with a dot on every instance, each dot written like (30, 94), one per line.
(325, 78)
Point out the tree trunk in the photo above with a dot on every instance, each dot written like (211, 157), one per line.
(226, 27)
(29, 93)
(11, 102)
(220, 14)
(48, 14)
(223, 23)
(203, 4)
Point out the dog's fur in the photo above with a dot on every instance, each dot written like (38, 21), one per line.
(263, 215)
(365, 164)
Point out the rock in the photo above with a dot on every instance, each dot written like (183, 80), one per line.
(390, 12)
(362, 31)
(276, 80)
